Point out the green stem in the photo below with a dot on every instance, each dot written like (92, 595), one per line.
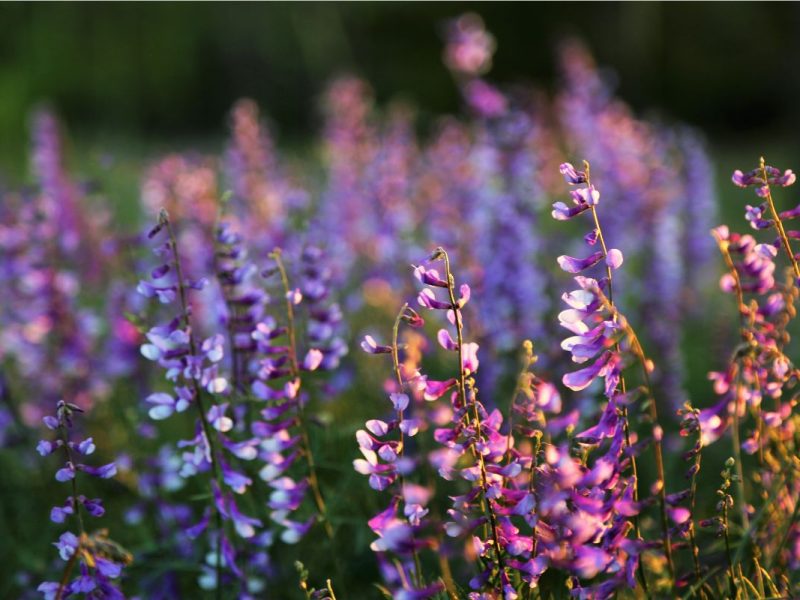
(528, 358)
(652, 410)
(778, 223)
(737, 453)
(401, 439)
(462, 385)
(692, 500)
(728, 550)
(313, 480)
(198, 393)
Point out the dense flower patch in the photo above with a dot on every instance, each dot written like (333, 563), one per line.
(380, 381)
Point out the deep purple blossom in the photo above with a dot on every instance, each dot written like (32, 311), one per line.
(97, 568)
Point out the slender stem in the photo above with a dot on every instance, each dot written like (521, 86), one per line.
(313, 480)
(747, 338)
(401, 439)
(62, 584)
(737, 453)
(198, 393)
(602, 241)
(638, 351)
(778, 223)
(396, 364)
(444, 563)
(692, 501)
(238, 362)
(537, 445)
(329, 586)
(462, 376)
(462, 385)
(76, 505)
(728, 549)
(635, 472)
(724, 248)
(528, 358)
(651, 405)
(532, 490)
(276, 256)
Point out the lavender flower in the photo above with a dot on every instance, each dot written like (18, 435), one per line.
(265, 199)
(99, 559)
(762, 178)
(282, 428)
(604, 337)
(193, 368)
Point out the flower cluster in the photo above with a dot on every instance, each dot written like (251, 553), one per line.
(193, 368)
(244, 303)
(282, 428)
(53, 264)
(490, 480)
(98, 558)
(524, 509)
(264, 197)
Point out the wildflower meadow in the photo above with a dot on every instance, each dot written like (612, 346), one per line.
(517, 353)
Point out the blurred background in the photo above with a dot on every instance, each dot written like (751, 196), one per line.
(160, 73)
(132, 82)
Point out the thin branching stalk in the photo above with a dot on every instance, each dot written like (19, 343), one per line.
(778, 223)
(401, 448)
(692, 503)
(313, 480)
(724, 248)
(638, 351)
(736, 448)
(528, 359)
(728, 555)
(198, 393)
(462, 390)
(651, 406)
(76, 506)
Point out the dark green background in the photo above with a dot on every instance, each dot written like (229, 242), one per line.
(159, 71)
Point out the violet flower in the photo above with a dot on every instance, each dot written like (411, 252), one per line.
(604, 338)
(99, 559)
(282, 430)
(192, 367)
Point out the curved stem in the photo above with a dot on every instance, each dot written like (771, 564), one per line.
(636, 348)
(198, 393)
(401, 439)
(737, 453)
(609, 300)
(778, 223)
(728, 551)
(294, 368)
(462, 390)
(528, 358)
(692, 501)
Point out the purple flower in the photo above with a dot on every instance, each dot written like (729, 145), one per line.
(370, 346)
(67, 545)
(469, 46)
(576, 265)
(571, 175)
(104, 472)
